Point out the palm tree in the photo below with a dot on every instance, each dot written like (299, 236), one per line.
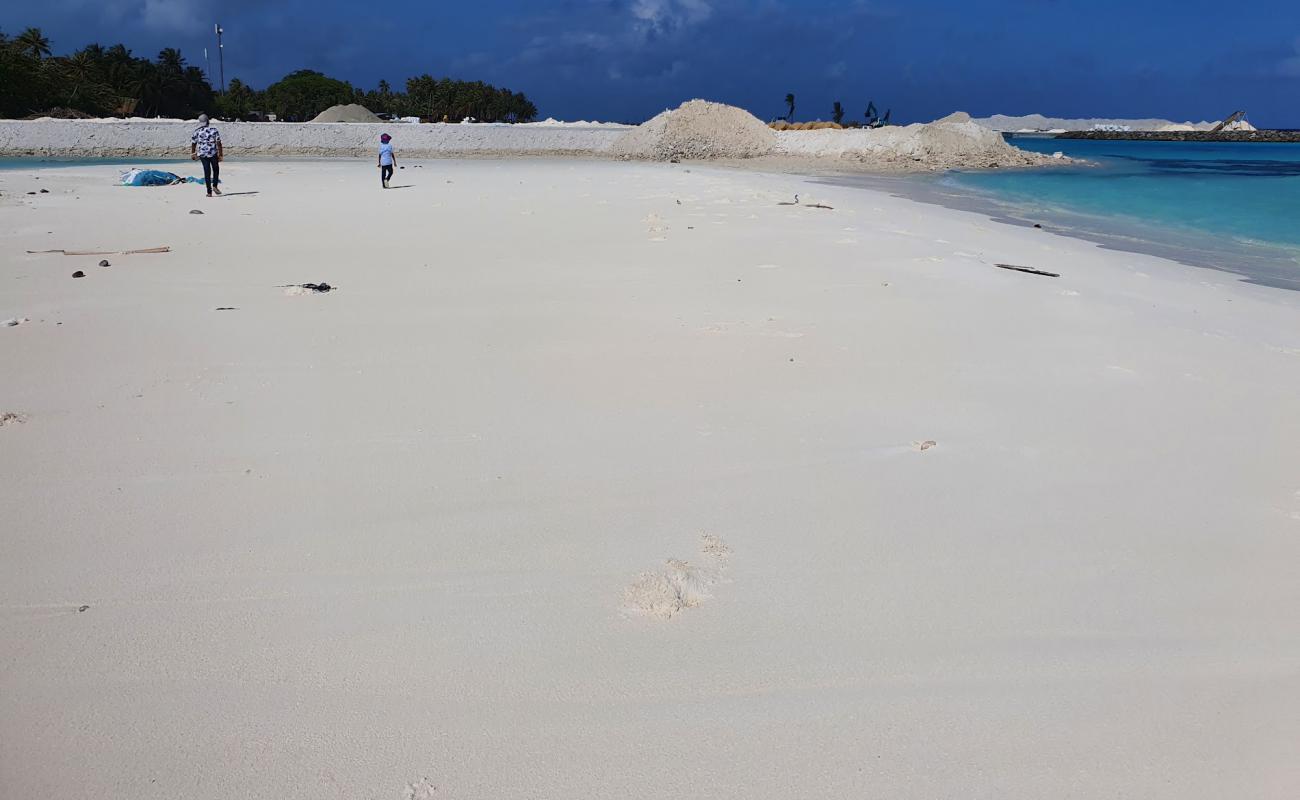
(33, 43)
(80, 69)
(789, 101)
(170, 59)
(837, 113)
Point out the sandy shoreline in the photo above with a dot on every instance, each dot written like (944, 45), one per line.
(394, 537)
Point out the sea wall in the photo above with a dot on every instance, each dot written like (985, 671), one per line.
(52, 138)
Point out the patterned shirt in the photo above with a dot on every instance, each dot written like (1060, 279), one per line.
(206, 139)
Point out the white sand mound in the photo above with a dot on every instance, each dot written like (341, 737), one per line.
(348, 113)
(932, 146)
(956, 116)
(697, 130)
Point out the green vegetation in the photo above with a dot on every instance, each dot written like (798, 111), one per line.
(100, 82)
(97, 81)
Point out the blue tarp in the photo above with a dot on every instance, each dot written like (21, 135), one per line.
(154, 177)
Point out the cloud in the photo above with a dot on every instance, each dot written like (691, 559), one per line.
(172, 15)
(1289, 67)
(662, 16)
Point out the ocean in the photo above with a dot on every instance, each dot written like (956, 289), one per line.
(1229, 205)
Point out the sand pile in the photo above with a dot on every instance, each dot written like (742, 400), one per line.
(934, 146)
(697, 130)
(348, 113)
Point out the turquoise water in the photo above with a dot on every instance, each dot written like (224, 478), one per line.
(29, 163)
(1247, 191)
(1232, 205)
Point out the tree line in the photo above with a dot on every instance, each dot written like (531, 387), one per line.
(110, 81)
(302, 95)
(98, 81)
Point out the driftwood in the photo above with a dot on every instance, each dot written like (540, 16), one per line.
(103, 252)
(809, 205)
(1029, 270)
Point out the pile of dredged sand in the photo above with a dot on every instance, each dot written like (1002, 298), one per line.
(952, 142)
(697, 130)
(348, 113)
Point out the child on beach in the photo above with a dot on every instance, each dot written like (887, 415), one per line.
(387, 161)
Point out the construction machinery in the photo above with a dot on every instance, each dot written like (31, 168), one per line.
(1237, 116)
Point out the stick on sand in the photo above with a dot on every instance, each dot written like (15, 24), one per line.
(163, 249)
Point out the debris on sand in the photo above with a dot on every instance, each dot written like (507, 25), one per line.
(926, 445)
(195, 211)
(1029, 270)
(163, 249)
(104, 263)
(303, 288)
(10, 418)
(78, 274)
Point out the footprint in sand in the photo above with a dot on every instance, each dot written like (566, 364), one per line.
(656, 227)
(678, 585)
(11, 418)
(424, 790)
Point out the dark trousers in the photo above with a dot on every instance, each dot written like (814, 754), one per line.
(386, 173)
(211, 172)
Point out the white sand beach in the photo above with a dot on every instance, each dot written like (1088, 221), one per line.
(940, 529)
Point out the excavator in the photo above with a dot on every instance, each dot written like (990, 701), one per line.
(1236, 117)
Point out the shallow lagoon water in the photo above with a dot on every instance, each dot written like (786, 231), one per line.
(1234, 207)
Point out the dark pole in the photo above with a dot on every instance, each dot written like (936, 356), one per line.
(221, 57)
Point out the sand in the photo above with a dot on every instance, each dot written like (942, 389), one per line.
(605, 479)
(351, 112)
(697, 130)
(1038, 122)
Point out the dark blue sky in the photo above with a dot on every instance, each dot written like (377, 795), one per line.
(629, 59)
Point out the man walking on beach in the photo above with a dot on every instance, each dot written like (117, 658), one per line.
(205, 146)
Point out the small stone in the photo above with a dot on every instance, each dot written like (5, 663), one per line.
(195, 211)
(45, 191)
(78, 274)
(926, 445)
(104, 263)
(82, 609)
(31, 192)
(1036, 225)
